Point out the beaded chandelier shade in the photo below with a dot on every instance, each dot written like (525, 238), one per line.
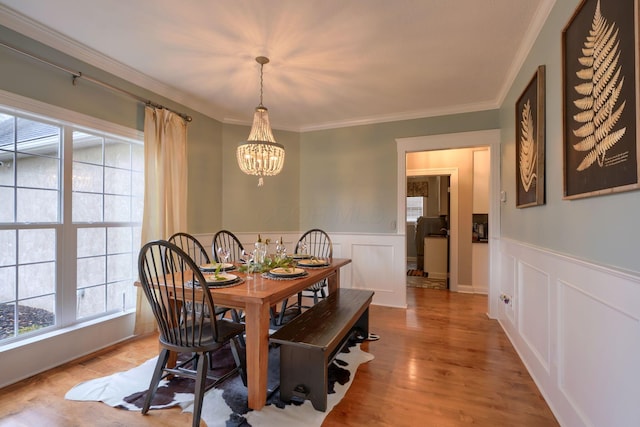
(260, 155)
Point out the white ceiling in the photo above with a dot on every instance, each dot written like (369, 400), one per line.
(333, 62)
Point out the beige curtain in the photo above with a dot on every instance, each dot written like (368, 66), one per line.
(165, 189)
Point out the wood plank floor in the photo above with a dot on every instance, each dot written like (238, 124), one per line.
(441, 362)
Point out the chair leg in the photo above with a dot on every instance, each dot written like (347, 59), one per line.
(155, 379)
(274, 316)
(283, 308)
(240, 357)
(236, 315)
(201, 380)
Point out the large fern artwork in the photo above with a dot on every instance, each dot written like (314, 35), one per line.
(598, 95)
(528, 149)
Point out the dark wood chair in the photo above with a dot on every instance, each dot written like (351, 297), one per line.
(161, 265)
(316, 243)
(192, 247)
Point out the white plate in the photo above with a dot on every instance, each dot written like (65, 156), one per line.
(312, 262)
(223, 278)
(284, 271)
(214, 266)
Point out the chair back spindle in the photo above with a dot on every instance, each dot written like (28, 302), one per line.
(226, 239)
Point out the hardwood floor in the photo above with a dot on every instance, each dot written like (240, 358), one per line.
(441, 362)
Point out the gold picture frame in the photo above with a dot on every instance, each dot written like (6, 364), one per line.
(530, 142)
(600, 99)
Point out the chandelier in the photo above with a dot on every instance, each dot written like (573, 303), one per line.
(260, 155)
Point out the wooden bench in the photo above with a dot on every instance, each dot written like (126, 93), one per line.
(309, 343)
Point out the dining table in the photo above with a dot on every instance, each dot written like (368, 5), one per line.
(256, 295)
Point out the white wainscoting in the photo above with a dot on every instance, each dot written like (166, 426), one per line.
(377, 260)
(576, 327)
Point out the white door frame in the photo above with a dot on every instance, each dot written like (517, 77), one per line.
(490, 138)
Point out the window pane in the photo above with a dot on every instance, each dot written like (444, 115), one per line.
(37, 138)
(36, 280)
(118, 267)
(87, 207)
(36, 246)
(137, 207)
(137, 157)
(7, 209)
(117, 181)
(137, 184)
(36, 313)
(91, 272)
(7, 284)
(87, 148)
(117, 154)
(87, 178)
(414, 208)
(117, 208)
(37, 205)
(120, 296)
(38, 172)
(91, 242)
(91, 301)
(6, 168)
(7, 132)
(119, 240)
(7, 247)
(8, 315)
(137, 240)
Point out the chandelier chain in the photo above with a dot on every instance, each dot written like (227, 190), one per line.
(261, 82)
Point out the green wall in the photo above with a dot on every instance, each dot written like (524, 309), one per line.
(349, 175)
(602, 229)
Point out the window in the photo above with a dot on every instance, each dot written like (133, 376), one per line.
(415, 208)
(56, 243)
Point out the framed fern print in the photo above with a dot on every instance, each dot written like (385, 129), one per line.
(530, 141)
(600, 99)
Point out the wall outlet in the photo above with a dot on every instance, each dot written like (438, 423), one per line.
(506, 299)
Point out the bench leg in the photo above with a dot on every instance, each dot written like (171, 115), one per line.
(304, 375)
(362, 325)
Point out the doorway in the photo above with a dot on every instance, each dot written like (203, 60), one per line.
(452, 223)
(427, 231)
(487, 138)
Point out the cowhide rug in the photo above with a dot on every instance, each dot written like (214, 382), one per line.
(225, 404)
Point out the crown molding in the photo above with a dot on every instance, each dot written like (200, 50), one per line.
(408, 115)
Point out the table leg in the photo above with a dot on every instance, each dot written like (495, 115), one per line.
(257, 330)
(334, 281)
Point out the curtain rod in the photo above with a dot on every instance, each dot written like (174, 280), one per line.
(77, 75)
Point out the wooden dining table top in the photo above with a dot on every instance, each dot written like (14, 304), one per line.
(270, 290)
